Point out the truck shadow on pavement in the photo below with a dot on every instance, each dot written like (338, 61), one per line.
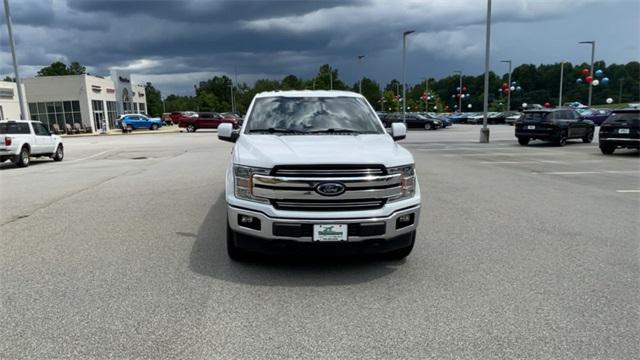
(209, 257)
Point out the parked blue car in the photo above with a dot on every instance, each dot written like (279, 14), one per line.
(598, 116)
(131, 122)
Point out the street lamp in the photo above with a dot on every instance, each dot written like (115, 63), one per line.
(561, 81)
(12, 44)
(404, 81)
(484, 132)
(426, 93)
(459, 90)
(593, 52)
(360, 57)
(509, 82)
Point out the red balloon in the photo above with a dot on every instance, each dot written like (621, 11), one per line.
(588, 79)
(464, 88)
(585, 71)
(547, 105)
(506, 91)
(505, 85)
(457, 95)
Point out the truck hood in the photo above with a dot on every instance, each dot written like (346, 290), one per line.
(266, 151)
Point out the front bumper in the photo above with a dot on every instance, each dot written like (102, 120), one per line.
(270, 227)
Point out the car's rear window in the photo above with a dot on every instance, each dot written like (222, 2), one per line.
(14, 128)
(536, 116)
(624, 118)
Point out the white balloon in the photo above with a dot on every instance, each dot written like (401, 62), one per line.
(524, 105)
(595, 82)
(469, 106)
(609, 101)
(512, 88)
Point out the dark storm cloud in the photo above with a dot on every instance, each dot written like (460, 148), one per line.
(177, 43)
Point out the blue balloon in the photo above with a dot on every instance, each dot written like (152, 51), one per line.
(518, 88)
(578, 81)
(605, 81)
(458, 88)
(599, 73)
(513, 83)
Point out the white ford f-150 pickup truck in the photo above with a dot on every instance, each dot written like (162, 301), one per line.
(22, 139)
(317, 170)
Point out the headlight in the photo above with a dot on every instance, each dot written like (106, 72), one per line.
(243, 182)
(407, 181)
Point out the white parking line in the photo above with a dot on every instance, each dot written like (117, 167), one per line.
(506, 154)
(586, 172)
(86, 158)
(628, 191)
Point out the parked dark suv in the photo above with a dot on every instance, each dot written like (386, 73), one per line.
(555, 125)
(621, 129)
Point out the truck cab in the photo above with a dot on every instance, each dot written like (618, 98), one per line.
(22, 139)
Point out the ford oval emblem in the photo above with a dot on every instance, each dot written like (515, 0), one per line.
(330, 189)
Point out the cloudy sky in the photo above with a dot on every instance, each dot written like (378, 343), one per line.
(176, 43)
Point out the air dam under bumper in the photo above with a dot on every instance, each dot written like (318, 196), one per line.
(366, 226)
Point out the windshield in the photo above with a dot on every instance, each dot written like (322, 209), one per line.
(312, 115)
(624, 118)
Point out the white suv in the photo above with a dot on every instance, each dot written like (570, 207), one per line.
(316, 169)
(22, 139)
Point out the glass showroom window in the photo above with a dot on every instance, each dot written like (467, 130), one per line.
(142, 107)
(56, 112)
(112, 114)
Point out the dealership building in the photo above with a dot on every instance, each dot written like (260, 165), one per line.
(92, 102)
(9, 105)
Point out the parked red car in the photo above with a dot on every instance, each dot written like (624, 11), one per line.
(178, 116)
(207, 120)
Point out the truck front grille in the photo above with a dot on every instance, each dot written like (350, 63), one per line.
(366, 187)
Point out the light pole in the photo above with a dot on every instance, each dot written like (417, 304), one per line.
(426, 94)
(360, 57)
(620, 91)
(561, 82)
(404, 81)
(330, 78)
(484, 132)
(509, 82)
(459, 90)
(12, 44)
(593, 52)
(233, 105)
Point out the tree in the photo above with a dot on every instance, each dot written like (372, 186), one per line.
(9, 78)
(154, 100)
(292, 82)
(59, 68)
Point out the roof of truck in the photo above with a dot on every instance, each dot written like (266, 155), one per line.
(308, 93)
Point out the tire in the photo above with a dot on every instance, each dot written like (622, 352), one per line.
(154, 127)
(235, 253)
(59, 154)
(524, 141)
(22, 159)
(588, 138)
(402, 253)
(607, 149)
(191, 128)
(562, 139)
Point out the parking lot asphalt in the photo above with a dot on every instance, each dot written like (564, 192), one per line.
(522, 252)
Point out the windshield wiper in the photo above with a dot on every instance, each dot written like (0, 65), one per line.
(338, 130)
(278, 130)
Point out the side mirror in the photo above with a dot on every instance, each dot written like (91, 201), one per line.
(226, 133)
(398, 131)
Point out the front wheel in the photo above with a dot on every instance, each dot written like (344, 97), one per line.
(607, 149)
(523, 141)
(235, 253)
(154, 127)
(191, 128)
(59, 154)
(588, 138)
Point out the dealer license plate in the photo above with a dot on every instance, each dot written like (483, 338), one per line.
(623, 131)
(531, 127)
(330, 232)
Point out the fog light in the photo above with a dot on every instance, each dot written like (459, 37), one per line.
(404, 221)
(249, 222)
